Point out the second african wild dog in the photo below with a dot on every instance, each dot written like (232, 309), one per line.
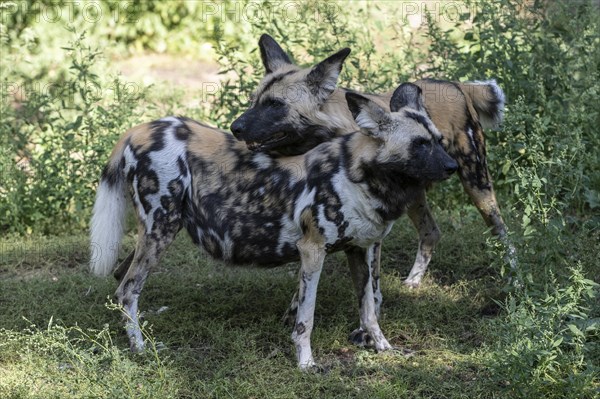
(292, 112)
(244, 207)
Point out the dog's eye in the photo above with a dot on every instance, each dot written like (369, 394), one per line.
(273, 102)
(422, 142)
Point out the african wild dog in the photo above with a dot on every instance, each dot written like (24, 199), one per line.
(245, 207)
(291, 112)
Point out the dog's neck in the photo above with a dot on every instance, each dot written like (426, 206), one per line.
(386, 182)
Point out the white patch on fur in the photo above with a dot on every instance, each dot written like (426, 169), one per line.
(227, 246)
(162, 163)
(290, 233)
(262, 160)
(472, 140)
(107, 227)
(171, 119)
(359, 209)
(307, 198)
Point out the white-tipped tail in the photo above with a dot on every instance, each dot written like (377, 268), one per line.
(107, 226)
(489, 103)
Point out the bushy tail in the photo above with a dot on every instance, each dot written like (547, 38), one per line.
(488, 100)
(108, 220)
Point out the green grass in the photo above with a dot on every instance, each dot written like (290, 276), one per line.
(221, 334)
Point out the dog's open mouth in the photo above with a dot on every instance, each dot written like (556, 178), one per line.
(270, 142)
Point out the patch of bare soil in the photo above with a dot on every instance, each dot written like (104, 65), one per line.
(178, 71)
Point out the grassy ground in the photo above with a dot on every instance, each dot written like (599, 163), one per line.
(215, 331)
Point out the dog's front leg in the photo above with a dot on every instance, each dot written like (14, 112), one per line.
(360, 261)
(312, 255)
(375, 277)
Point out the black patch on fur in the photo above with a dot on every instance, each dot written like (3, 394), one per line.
(147, 184)
(112, 175)
(303, 139)
(493, 104)
(300, 328)
(246, 209)
(183, 170)
(473, 164)
(407, 94)
(320, 175)
(182, 132)
(395, 189)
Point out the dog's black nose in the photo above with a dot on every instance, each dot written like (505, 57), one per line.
(237, 127)
(451, 167)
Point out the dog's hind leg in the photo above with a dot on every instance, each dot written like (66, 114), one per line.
(123, 266)
(375, 277)
(485, 201)
(429, 235)
(155, 236)
(477, 182)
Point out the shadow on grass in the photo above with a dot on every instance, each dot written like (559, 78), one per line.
(222, 335)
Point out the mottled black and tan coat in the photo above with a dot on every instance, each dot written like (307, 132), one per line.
(246, 207)
(294, 109)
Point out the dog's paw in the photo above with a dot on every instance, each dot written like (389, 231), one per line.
(361, 338)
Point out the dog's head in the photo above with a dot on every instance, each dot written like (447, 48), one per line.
(409, 143)
(282, 114)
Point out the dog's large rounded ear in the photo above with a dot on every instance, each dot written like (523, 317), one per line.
(407, 95)
(323, 77)
(271, 53)
(368, 115)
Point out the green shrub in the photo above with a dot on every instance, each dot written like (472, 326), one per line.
(61, 134)
(545, 339)
(546, 56)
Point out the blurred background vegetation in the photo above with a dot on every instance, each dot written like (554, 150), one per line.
(76, 75)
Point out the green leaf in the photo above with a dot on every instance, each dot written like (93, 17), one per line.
(575, 330)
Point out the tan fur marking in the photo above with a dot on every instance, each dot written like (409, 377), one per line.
(311, 231)
(207, 142)
(140, 137)
(361, 148)
(136, 134)
(295, 165)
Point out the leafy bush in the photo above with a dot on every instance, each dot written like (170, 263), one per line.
(61, 134)
(545, 340)
(177, 26)
(546, 56)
